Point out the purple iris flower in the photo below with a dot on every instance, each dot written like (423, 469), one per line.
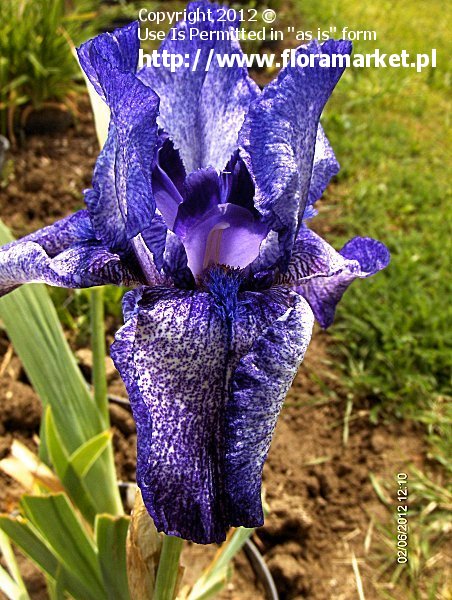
(199, 201)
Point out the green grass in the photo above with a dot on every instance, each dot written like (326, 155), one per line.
(389, 130)
(423, 576)
(36, 61)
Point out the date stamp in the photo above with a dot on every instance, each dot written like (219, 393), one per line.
(402, 517)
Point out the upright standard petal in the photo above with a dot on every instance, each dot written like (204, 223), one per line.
(108, 214)
(202, 106)
(279, 138)
(119, 48)
(122, 180)
(322, 275)
(324, 167)
(177, 354)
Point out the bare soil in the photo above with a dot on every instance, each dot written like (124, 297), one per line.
(323, 508)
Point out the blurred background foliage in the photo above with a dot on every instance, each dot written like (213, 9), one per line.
(36, 65)
(42, 71)
(390, 129)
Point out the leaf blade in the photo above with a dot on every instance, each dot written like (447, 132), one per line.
(86, 455)
(32, 323)
(55, 519)
(110, 534)
(11, 563)
(30, 542)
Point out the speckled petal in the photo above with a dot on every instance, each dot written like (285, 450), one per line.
(82, 265)
(325, 166)
(202, 109)
(322, 275)
(124, 169)
(279, 138)
(174, 360)
(259, 387)
(312, 257)
(108, 214)
(65, 254)
(119, 48)
(177, 354)
(60, 235)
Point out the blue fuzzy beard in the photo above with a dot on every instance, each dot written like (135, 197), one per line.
(224, 283)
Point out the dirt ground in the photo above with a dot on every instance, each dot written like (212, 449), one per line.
(324, 511)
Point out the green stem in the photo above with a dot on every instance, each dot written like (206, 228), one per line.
(168, 569)
(99, 351)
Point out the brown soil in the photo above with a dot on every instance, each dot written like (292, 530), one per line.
(323, 507)
(47, 177)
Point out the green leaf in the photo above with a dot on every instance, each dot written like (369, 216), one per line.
(21, 534)
(110, 534)
(57, 452)
(211, 586)
(18, 81)
(58, 524)
(38, 67)
(71, 480)
(98, 345)
(36, 334)
(11, 563)
(60, 586)
(24, 535)
(216, 575)
(231, 547)
(10, 588)
(84, 457)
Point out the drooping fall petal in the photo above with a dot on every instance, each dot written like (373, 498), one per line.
(322, 275)
(202, 369)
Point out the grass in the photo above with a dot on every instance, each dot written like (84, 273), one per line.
(37, 67)
(389, 131)
(423, 576)
(389, 128)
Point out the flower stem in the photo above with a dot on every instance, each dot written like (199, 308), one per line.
(99, 352)
(168, 569)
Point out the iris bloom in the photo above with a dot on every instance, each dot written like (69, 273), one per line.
(199, 201)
